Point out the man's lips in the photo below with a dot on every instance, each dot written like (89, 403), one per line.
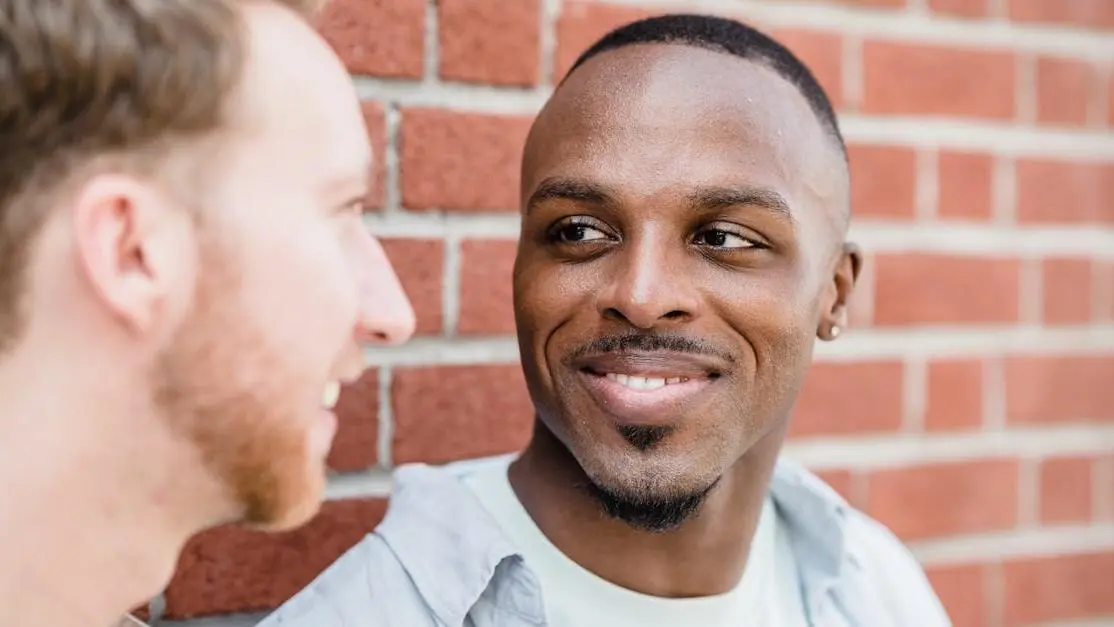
(652, 364)
(647, 388)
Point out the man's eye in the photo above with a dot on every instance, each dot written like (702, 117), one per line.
(717, 238)
(575, 232)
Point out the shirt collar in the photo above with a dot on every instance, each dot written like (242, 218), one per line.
(816, 517)
(452, 547)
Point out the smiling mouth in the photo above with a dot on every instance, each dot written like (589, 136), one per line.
(637, 399)
(648, 387)
(636, 382)
(330, 395)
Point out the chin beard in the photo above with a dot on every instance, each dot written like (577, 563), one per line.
(642, 437)
(650, 512)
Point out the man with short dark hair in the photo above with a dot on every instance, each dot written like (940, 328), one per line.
(185, 281)
(685, 204)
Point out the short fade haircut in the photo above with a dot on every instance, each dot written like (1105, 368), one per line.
(729, 36)
(93, 84)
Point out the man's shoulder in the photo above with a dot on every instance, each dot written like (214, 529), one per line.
(366, 587)
(887, 565)
(864, 558)
(428, 561)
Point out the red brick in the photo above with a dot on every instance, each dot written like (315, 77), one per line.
(1102, 474)
(458, 412)
(965, 184)
(486, 301)
(883, 181)
(1060, 389)
(1050, 192)
(843, 482)
(461, 161)
(922, 289)
(1058, 588)
(1110, 100)
(356, 446)
(845, 398)
(377, 37)
(376, 122)
(230, 570)
(1105, 285)
(1068, 292)
(913, 79)
(1065, 89)
(1066, 489)
(962, 590)
(1085, 13)
(490, 41)
(960, 8)
(822, 52)
(938, 500)
(420, 267)
(955, 395)
(582, 23)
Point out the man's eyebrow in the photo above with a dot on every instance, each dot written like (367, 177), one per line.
(560, 188)
(707, 198)
(712, 198)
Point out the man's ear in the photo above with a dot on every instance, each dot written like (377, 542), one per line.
(127, 236)
(845, 275)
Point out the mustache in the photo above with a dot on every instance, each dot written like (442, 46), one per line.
(649, 342)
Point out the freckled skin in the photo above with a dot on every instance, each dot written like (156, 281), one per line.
(657, 133)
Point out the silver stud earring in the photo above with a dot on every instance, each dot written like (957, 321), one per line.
(835, 331)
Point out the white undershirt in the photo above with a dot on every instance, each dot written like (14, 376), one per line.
(767, 595)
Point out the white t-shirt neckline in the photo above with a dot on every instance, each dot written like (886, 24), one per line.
(577, 597)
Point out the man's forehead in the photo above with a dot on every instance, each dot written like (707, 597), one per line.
(681, 76)
(691, 98)
(629, 111)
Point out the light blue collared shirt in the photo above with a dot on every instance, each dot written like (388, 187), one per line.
(439, 559)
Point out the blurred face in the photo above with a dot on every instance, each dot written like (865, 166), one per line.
(681, 248)
(289, 282)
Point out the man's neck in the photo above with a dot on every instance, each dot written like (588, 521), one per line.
(89, 525)
(705, 555)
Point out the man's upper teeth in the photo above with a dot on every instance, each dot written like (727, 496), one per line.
(643, 383)
(331, 394)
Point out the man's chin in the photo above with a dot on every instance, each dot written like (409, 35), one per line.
(651, 500)
(650, 511)
(298, 501)
(286, 520)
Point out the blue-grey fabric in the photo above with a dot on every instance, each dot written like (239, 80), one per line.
(439, 559)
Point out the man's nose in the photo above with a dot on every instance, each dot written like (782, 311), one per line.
(386, 315)
(647, 286)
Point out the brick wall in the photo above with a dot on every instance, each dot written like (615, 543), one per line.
(971, 407)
